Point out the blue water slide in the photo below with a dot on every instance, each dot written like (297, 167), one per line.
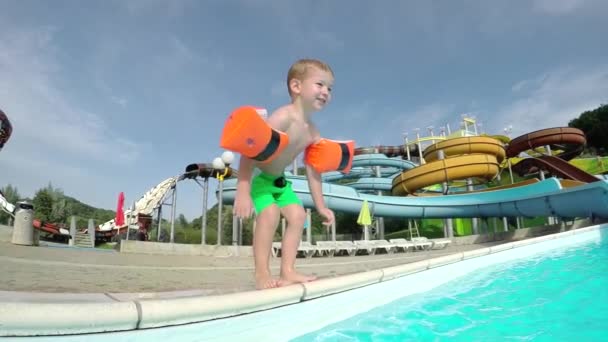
(362, 167)
(369, 183)
(545, 198)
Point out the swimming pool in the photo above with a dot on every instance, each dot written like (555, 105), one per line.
(559, 295)
(441, 302)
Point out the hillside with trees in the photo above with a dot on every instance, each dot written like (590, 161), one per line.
(52, 205)
(595, 125)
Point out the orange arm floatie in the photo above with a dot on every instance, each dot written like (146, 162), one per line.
(246, 132)
(330, 155)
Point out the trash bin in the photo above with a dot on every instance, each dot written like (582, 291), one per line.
(23, 228)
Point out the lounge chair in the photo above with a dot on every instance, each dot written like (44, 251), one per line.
(440, 243)
(347, 246)
(435, 243)
(305, 248)
(276, 249)
(384, 244)
(366, 245)
(402, 243)
(326, 248)
(422, 243)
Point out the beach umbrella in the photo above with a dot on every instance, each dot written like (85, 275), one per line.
(365, 219)
(119, 220)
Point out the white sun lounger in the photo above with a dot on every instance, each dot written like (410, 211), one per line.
(305, 248)
(440, 243)
(367, 246)
(384, 244)
(328, 248)
(402, 243)
(347, 246)
(434, 243)
(422, 243)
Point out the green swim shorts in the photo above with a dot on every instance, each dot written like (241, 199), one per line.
(269, 189)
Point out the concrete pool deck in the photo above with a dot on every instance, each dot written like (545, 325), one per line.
(144, 291)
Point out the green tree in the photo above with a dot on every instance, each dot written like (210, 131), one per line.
(595, 125)
(43, 205)
(11, 194)
(182, 221)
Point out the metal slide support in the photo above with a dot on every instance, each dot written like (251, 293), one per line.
(173, 209)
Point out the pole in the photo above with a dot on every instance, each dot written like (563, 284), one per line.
(204, 216)
(160, 219)
(173, 208)
(282, 227)
(220, 221)
(448, 228)
(417, 142)
(380, 220)
(474, 220)
(407, 146)
(72, 230)
(219, 210)
(235, 230)
(240, 232)
(308, 227)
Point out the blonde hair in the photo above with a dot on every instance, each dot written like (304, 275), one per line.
(299, 68)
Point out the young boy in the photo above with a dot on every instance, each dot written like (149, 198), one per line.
(309, 83)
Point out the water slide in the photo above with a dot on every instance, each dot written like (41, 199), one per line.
(389, 151)
(568, 139)
(465, 157)
(6, 205)
(558, 167)
(154, 197)
(542, 198)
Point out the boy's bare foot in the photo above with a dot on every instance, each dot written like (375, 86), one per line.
(265, 281)
(293, 278)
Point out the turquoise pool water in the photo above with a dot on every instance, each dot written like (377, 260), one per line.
(560, 295)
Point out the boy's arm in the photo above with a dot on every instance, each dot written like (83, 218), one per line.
(243, 206)
(316, 187)
(316, 191)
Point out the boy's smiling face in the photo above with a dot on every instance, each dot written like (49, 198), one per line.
(315, 89)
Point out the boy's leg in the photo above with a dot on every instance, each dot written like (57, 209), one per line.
(266, 224)
(295, 216)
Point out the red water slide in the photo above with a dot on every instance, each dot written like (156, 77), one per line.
(567, 139)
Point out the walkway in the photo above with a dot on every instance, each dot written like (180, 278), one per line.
(59, 269)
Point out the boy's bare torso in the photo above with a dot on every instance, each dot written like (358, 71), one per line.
(300, 132)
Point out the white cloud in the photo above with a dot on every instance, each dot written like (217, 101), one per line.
(553, 99)
(558, 6)
(423, 117)
(168, 8)
(41, 110)
(121, 101)
(302, 23)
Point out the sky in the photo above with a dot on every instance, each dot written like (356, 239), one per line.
(117, 95)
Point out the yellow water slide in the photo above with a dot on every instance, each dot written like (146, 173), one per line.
(465, 157)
